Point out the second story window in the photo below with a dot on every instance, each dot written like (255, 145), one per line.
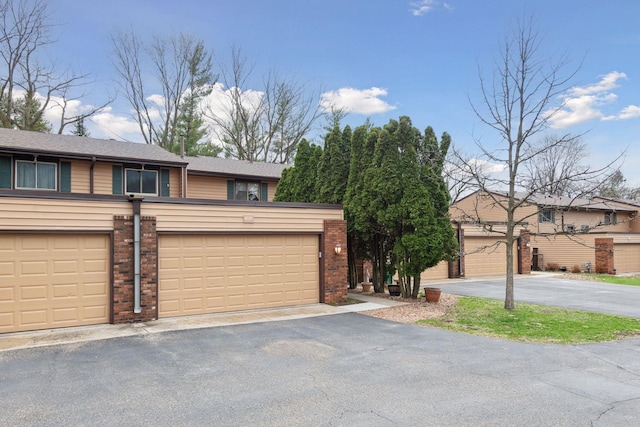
(610, 218)
(141, 182)
(546, 215)
(247, 191)
(35, 175)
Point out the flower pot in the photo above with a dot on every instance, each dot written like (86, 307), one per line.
(366, 286)
(394, 290)
(432, 294)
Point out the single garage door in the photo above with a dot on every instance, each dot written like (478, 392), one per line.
(52, 281)
(626, 258)
(217, 273)
(484, 258)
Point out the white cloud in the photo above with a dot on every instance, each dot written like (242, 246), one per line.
(584, 103)
(117, 127)
(485, 167)
(360, 101)
(629, 112)
(419, 8)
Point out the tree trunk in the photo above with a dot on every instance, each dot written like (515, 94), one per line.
(416, 287)
(509, 302)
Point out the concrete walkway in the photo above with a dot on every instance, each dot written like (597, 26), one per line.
(46, 337)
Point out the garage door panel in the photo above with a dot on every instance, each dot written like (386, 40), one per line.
(484, 257)
(53, 281)
(239, 272)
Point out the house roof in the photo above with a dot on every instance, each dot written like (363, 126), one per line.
(565, 202)
(18, 141)
(229, 167)
(575, 203)
(621, 201)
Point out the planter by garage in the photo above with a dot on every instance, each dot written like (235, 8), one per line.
(432, 294)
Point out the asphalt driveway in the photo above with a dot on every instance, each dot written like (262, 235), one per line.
(550, 290)
(338, 370)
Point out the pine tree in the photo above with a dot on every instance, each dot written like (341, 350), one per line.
(79, 129)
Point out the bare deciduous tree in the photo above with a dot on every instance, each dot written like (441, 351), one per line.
(177, 62)
(28, 87)
(264, 125)
(518, 104)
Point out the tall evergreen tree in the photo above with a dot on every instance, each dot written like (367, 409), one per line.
(298, 183)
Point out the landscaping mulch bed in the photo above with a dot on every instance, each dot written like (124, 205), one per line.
(414, 310)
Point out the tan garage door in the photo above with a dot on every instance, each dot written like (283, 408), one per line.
(51, 281)
(217, 273)
(440, 271)
(626, 258)
(484, 258)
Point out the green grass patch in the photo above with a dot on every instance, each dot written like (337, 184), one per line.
(533, 323)
(618, 280)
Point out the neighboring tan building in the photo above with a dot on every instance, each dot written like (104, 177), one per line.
(97, 231)
(563, 231)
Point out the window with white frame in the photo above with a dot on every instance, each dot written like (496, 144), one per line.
(36, 175)
(546, 215)
(141, 182)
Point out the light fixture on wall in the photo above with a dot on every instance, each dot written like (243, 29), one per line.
(338, 248)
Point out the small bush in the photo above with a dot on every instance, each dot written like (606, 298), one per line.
(576, 269)
(553, 266)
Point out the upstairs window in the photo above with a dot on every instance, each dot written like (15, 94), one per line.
(245, 190)
(36, 175)
(610, 218)
(141, 182)
(546, 215)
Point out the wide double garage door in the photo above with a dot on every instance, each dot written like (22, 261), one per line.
(53, 280)
(215, 273)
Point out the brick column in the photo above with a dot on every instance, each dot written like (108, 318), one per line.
(123, 271)
(604, 255)
(335, 283)
(524, 252)
(455, 265)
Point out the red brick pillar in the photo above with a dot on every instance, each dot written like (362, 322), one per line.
(334, 281)
(604, 255)
(524, 252)
(123, 270)
(456, 267)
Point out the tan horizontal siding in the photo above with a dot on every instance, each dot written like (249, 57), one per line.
(175, 182)
(80, 176)
(206, 187)
(272, 190)
(626, 257)
(53, 214)
(484, 208)
(193, 218)
(566, 251)
(102, 178)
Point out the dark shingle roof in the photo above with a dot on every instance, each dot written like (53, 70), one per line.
(80, 147)
(229, 167)
(75, 146)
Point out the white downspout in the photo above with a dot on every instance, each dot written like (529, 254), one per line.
(136, 263)
(137, 308)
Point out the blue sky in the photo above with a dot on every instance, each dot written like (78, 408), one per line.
(386, 58)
